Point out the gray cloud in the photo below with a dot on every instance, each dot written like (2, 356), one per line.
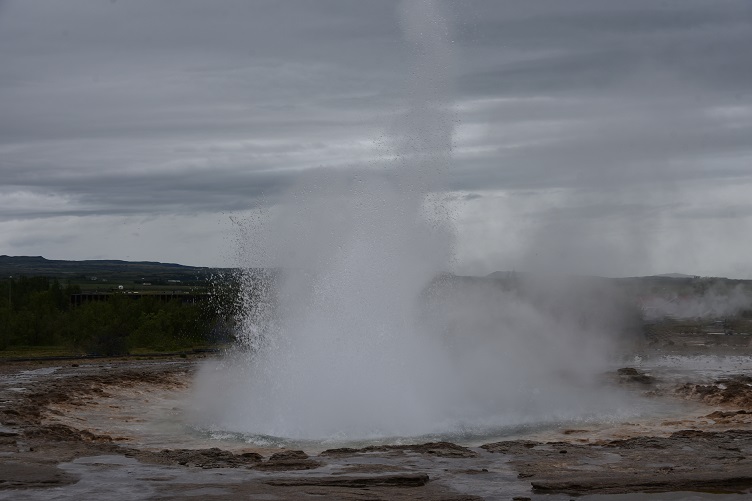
(166, 109)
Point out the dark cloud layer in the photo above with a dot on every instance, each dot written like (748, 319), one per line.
(180, 108)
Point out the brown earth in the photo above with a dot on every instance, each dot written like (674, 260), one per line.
(36, 448)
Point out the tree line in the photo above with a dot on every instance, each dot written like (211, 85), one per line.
(37, 311)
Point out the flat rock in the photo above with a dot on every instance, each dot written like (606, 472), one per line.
(614, 484)
(288, 460)
(14, 475)
(204, 458)
(395, 480)
(439, 449)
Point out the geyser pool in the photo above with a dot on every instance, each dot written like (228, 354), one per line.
(473, 361)
(358, 337)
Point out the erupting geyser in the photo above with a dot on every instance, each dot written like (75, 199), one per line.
(356, 338)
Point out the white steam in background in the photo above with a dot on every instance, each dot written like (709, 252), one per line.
(716, 302)
(362, 336)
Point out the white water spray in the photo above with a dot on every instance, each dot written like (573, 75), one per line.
(355, 339)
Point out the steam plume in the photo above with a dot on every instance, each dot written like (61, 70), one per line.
(359, 336)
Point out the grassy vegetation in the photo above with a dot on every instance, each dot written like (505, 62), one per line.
(40, 352)
(37, 316)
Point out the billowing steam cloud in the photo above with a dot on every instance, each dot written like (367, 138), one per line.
(360, 335)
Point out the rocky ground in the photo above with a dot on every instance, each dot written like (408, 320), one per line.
(48, 450)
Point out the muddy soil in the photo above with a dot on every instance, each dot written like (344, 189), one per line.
(45, 450)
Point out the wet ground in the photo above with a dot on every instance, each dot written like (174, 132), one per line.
(115, 429)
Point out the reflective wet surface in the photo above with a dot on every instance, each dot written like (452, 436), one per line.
(155, 415)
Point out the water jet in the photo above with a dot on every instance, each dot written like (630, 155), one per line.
(362, 335)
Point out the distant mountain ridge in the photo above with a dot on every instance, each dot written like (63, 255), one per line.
(675, 275)
(682, 276)
(57, 268)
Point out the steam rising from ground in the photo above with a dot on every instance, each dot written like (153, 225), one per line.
(716, 302)
(360, 335)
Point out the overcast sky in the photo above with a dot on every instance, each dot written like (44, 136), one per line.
(596, 136)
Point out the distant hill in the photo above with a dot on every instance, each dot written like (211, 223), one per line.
(667, 283)
(675, 275)
(134, 270)
(509, 274)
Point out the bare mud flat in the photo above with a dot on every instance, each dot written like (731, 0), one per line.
(112, 429)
